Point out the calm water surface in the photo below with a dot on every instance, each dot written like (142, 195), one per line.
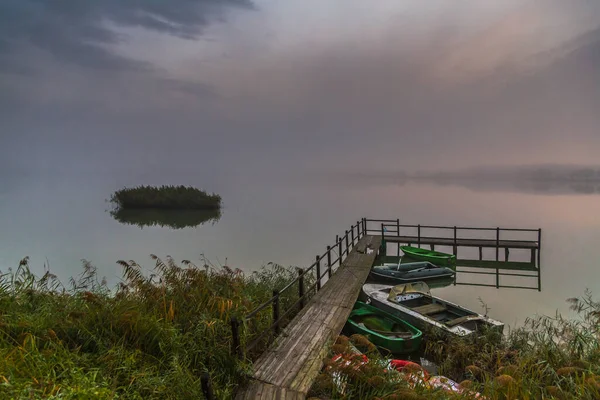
(61, 221)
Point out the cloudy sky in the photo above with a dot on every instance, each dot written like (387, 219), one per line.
(264, 85)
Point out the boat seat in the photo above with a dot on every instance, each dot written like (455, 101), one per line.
(460, 320)
(429, 309)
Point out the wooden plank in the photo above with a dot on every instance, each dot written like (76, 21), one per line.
(287, 369)
(428, 309)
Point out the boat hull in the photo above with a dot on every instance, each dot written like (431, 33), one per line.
(436, 257)
(375, 295)
(393, 345)
(426, 274)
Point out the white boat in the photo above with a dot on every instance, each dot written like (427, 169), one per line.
(416, 305)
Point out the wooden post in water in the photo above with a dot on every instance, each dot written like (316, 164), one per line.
(206, 385)
(398, 234)
(276, 311)
(236, 348)
(497, 242)
(318, 273)
(455, 247)
(329, 262)
(301, 287)
(539, 258)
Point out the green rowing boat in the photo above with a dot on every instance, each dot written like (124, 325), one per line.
(432, 256)
(384, 330)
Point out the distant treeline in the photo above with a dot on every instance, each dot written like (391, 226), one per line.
(165, 197)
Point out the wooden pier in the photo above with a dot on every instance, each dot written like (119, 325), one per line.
(287, 369)
(296, 352)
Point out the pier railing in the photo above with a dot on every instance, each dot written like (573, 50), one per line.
(325, 265)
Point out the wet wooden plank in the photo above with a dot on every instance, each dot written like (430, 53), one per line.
(287, 369)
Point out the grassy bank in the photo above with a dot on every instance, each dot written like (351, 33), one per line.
(151, 337)
(548, 358)
(165, 197)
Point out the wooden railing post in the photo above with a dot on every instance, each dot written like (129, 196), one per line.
(419, 235)
(276, 311)
(329, 262)
(397, 226)
(318, 273)
(301, 287)
(364, 222)
(352, 230)
(206, 385)
(339, 245)
(347, 246)
(497, 242)
(358, 230)
(236, 348)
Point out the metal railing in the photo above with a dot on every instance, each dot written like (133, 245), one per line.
(324, 265)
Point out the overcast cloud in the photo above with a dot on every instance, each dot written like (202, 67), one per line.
(271, 85)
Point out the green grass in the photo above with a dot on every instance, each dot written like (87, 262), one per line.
(548, 358)
(165, 197)
(151, 337)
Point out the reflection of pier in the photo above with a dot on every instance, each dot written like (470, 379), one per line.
(471, 261)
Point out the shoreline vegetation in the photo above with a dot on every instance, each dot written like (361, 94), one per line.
(165, 198)
(158, 331)
(151, 337)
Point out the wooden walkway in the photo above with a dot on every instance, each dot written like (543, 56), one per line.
(287, 369)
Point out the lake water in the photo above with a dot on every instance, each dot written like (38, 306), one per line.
(288, 221)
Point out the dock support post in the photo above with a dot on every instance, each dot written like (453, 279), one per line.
(455, 247)
(339, 245)
(539, 258)
(206, 386)
(276, 311)
(318, 273)
(301, 287)
(398, 234)
(329, 262)
(236, 348)
(419, 235)
(497, 278)
(497, 242)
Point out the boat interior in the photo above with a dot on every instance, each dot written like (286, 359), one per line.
(442, 312)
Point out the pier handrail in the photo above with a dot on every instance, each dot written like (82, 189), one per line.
(343, 244)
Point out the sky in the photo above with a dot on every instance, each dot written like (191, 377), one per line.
(274, 87)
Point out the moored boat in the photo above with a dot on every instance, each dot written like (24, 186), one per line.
(415, 304)
(410, 272)
(436, 257)
(384, 330)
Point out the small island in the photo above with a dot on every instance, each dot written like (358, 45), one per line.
(165, 198)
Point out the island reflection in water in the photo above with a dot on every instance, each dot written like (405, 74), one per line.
(174, 219)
